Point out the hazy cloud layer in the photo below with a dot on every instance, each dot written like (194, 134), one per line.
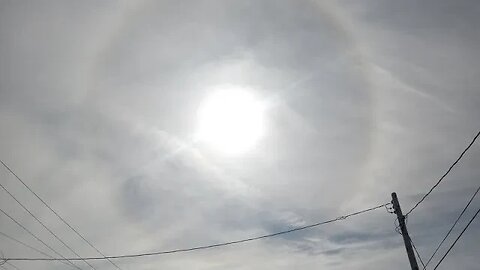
(98, 107)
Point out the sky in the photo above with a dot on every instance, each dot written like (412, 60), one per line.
(99, 105)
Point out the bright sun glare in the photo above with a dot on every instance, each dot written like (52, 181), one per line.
(231, 120)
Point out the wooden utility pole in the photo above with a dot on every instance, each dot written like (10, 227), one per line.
(403, 228)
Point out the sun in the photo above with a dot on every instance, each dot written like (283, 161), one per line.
(231, 120)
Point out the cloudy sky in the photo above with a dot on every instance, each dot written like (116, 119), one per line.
(99, 114)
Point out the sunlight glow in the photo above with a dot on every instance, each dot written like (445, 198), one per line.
(231, 120)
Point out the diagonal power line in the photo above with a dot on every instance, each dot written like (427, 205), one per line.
(445, 174)
(13, 266)
(453, 226)
(39, 240)
(416, 251)
(43, 224)
(58, 215)
(29, 246)
(206, 246)
(397, 229)
(24, 244)
(456, 240)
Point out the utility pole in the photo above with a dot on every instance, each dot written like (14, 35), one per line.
(403, 228)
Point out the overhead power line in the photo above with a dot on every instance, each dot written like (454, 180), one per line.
(456, 240)
(24, 244)
(58, 215)
(206, 246)
(29, 246)
(453, 226)
(13, 266)
(445, 174)
(38, 239)
(416, 251)
(43, 224)
(397, 229)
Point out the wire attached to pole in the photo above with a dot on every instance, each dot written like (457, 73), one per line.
(445, 174)
(206, 246)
